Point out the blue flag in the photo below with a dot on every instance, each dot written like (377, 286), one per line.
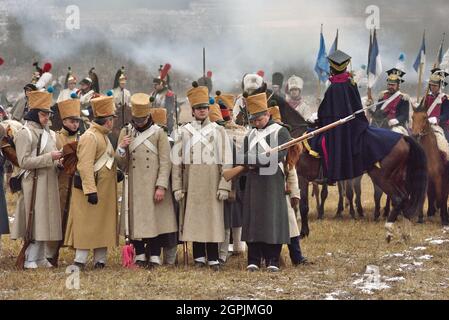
(421, 58)
(375, 64)
(322, 64)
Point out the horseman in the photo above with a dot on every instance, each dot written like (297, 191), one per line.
(353, 148)
(393, 109)
(296, 101)
(254, 84)
(437, 105)
(277, 82)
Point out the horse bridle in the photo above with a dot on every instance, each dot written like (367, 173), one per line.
(422, 134)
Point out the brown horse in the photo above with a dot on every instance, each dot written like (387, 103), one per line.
(402, 176)
(437, 166)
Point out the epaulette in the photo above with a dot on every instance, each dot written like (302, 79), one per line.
(405, 97)
(382, 94)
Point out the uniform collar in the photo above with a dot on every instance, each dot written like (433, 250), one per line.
(99, 128)
(204, 123)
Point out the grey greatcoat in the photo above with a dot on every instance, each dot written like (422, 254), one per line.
(265, 214)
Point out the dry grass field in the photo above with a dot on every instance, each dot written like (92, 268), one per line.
(350, 260)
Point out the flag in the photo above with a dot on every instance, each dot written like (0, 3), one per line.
(375, 63)
(421, 58)
(440, 52)
(322, 64)
(444, 65)
(334, 45)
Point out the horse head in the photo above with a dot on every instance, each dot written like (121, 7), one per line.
(420, 123)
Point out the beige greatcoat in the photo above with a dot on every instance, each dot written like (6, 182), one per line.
(202, 220)
(93, 226)
(293, 187)
(148, 170)
(47, 211)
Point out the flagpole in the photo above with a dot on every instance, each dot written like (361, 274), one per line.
(369, 91)
(418, 94)
(318, 91)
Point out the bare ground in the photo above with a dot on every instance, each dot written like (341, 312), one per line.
(345, 255)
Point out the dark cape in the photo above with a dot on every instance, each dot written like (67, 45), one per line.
(265, 214)
(355, 147)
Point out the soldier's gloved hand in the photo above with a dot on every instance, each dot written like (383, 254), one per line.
(222, 195)
(179, 195)
(393, 122)
(433, 120)
(294, 202)
(92, 198)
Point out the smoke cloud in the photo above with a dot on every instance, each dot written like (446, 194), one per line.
(239, 36)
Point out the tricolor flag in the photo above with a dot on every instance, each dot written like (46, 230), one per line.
(421, 58)
(375, 63)
(440, 52)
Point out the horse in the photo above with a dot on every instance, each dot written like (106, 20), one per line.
(298, 127)
(402, 175)
(437, 166)
(378, 120)
(349, 188)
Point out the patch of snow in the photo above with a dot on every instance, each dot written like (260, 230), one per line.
(334, 295)
(425, 257)
(438, 241)
(370, 281)
(419, 248)
(394, 279)
(396, 255)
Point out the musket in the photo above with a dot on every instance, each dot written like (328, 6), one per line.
(123, 107)
(182, 202)
(182, 206)
(126, 193)
(20, 262)
(229, 174)
(65, 217)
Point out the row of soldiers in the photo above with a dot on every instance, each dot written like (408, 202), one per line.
(143, 151)
(394, 108)
(198, 188)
